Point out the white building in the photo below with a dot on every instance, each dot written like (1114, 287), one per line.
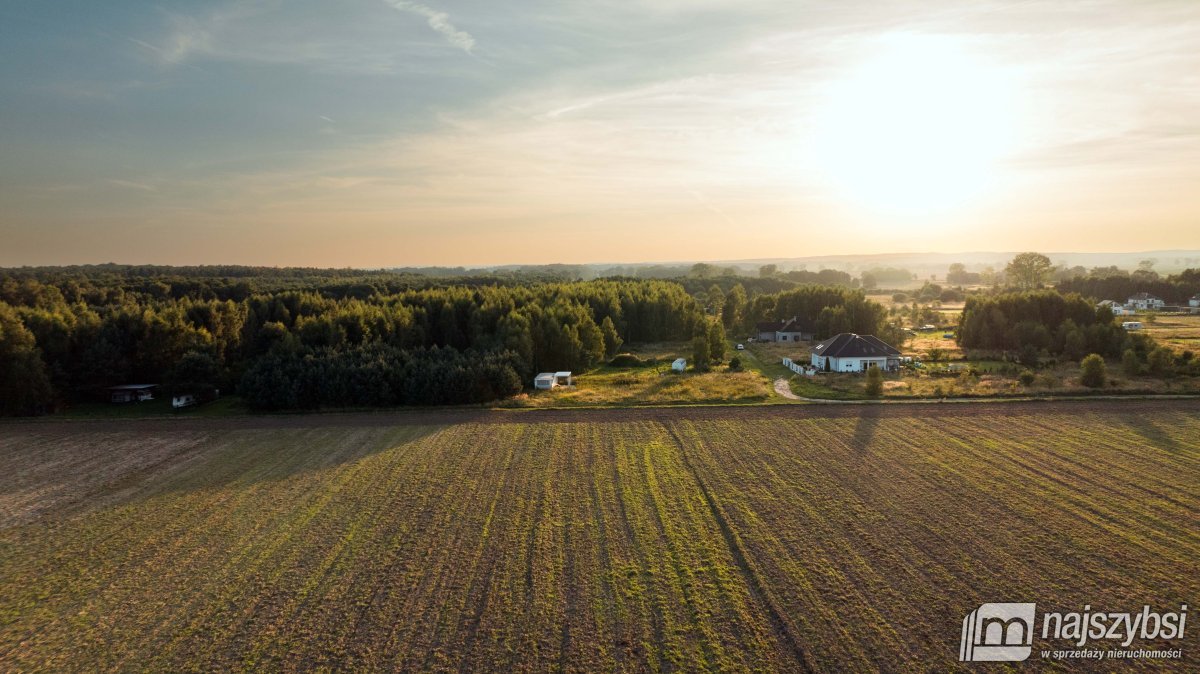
(679, 365)
(548, 380)
(849, 352)
(1114, 307)
(1145, 302)
(1132, 325)
(1194, 300)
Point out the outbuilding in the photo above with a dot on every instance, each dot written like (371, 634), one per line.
(548, 380)
(679, 365)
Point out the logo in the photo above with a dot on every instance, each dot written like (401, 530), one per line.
(997, 633)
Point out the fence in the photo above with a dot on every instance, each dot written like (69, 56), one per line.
(806, 370)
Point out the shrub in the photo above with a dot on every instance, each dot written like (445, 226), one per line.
(1160, 360)
(1093, 371)
(625, 360)
(1027, 377)
(1130, 364)
(874, 382)
(735, 364)
(1048, 380)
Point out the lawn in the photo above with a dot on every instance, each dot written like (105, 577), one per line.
(1176, 331)
(777, 538)
(653, 383)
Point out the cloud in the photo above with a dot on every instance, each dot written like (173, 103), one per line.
(439, 21)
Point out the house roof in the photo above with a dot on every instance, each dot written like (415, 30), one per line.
(793, 324)
(544, 375)
(796, 324)
(850, 345)
(132, 387)
(1143, 296)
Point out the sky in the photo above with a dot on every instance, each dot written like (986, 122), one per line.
(372, 133)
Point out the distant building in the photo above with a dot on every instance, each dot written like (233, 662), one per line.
(1194, 300)
(1113, 306)
(792, 330)
(1145, 302)
(679, 365)
(131, 393)
(1132, 325)
(849, 352)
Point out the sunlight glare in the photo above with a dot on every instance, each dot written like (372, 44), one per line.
(918, 127)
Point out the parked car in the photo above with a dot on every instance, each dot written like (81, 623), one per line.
(741, 347)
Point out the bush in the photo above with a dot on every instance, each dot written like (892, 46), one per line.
(1048, 380)
(735, 364)
(1130, 364)
(1093, 371)
(1160, 361)
(874, 382)
(626, 360)
(1027, 377)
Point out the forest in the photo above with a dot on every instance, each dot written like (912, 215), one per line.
(1044, 322)
(68, 334)
(308, 338)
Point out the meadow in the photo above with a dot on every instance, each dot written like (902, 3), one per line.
(794, 538)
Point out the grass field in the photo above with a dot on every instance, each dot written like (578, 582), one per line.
(738, 538)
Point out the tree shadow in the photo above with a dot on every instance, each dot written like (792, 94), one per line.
(1153, 433)
(864, 428)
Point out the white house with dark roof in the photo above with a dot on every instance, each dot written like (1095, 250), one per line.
(1145, 302)
(849, 352)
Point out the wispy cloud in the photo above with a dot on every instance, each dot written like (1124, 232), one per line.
(439, 21)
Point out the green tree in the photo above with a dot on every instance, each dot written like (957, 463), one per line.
(196, 372)
(874, 382)
(1159, 361)
(716, 300)
(701, 360)
(612, 341)
(768, 271)
(716, 341)
(24, 386)
(1028, 270)
(1131, 365)
(1093, 372)
(735, 307)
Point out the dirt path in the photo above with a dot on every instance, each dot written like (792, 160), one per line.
(783, 389)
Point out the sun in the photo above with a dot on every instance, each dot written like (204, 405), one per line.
(920, 126)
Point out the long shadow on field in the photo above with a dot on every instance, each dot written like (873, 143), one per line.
(1153, 433)
(864, 428)
(139, 463)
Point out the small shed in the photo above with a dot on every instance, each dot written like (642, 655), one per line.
(545, 381)
(679, 365)
(564, 378)
(131, 393)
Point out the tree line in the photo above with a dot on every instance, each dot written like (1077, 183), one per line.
(66, 336)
